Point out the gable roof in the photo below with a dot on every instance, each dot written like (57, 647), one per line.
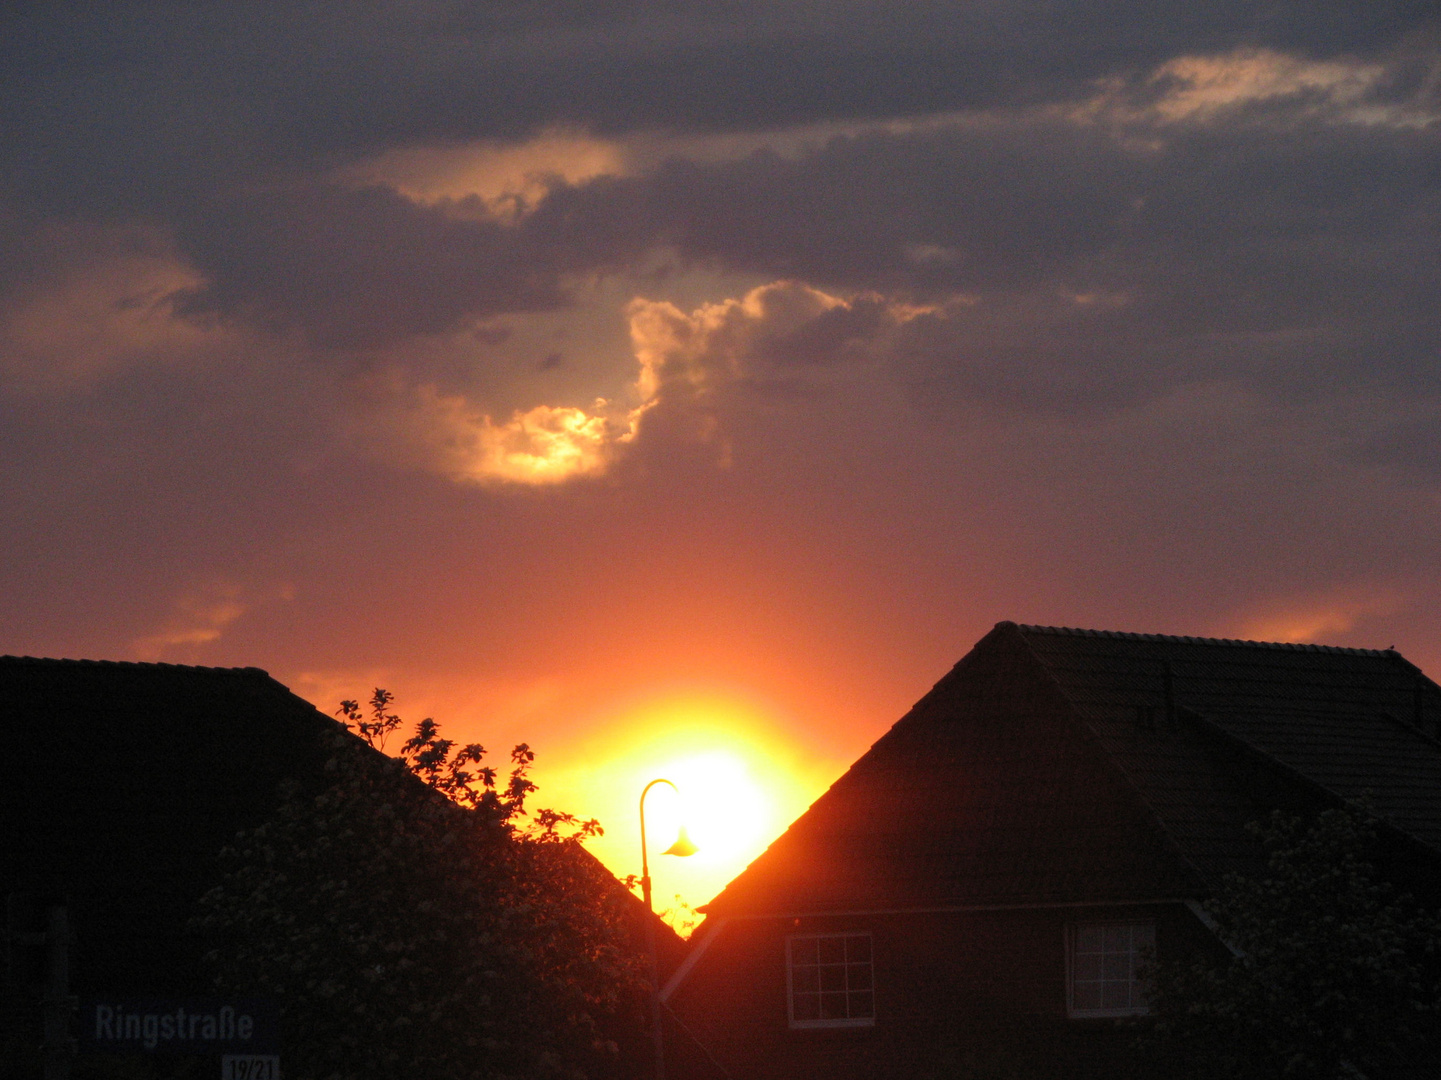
(1061, 765)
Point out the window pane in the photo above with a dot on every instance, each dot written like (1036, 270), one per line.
(1087, 995)
(831, 978)
(1103, 974)
(1116, 995)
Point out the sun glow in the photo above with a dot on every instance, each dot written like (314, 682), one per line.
(739, 784)
(720, 804)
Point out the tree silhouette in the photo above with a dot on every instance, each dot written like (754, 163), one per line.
(1332, 974)
(412, 919)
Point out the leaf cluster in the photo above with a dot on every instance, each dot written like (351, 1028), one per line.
(445, 766)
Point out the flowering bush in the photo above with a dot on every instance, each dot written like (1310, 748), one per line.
(411, 924)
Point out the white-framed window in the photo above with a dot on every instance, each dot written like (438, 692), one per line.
(1103, 964)
(830, 980)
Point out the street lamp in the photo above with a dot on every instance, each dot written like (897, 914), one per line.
(682, 847)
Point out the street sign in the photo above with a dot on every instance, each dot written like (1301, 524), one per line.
(120, 1024)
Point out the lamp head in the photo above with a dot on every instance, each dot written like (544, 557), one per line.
(682, 845)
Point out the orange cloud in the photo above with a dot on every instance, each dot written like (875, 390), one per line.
(197, 618)
(1323, 617)
(546, 444)
(716, 342)
(1200, 88)
(507, 179)
(202, 615)
(682, 359)
(98, 319)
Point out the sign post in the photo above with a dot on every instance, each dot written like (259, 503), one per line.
(57, 1004)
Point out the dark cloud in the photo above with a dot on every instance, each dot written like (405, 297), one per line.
(1101, 258)
(822, 339)
(129, 108)
(1098, 261)
(356, 267)
(1107, 257)
(931, 212)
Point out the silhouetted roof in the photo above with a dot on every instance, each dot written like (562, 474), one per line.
(1063, 765)
(121, 782)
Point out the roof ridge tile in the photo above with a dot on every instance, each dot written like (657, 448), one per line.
(158, 665)
(1176, 639)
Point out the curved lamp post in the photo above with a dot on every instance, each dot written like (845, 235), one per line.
(682, 847)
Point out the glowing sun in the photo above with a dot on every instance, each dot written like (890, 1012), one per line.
(740, 781)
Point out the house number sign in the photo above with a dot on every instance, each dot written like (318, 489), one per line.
(250, 1067)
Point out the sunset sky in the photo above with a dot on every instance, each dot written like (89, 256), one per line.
(682, 387)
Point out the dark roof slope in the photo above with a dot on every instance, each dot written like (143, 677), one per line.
(1359, 724)
(121, 782)
(1055, 765)
(986, 792)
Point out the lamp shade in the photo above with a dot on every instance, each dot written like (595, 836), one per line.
(682, 845)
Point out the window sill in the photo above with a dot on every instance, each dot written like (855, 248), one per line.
(1106, 1014)
(831, 1025)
